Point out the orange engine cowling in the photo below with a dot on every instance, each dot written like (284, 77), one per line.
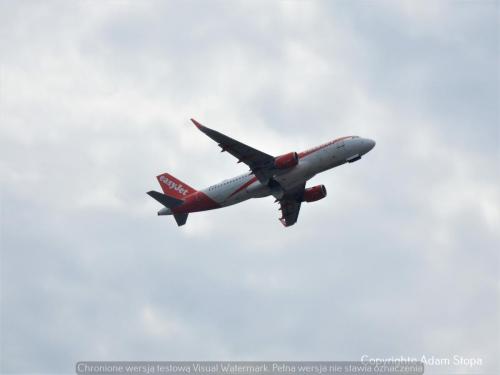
(286, 161)
(315, 193)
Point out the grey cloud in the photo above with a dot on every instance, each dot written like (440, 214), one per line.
(399, 259)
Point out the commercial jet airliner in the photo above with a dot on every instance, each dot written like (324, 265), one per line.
(284, 177)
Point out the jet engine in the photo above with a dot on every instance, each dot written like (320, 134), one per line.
(314, 193)
(286, 161)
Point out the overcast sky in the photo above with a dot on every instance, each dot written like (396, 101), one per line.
(400, 259)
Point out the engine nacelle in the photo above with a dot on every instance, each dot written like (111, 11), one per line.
(314, 194)
(286, 161)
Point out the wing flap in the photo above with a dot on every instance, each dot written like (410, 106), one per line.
(290, 205)
(290, 209)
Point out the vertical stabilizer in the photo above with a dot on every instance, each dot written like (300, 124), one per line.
(173, 187)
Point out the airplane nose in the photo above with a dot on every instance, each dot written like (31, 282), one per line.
(367, 145)
(371, 144)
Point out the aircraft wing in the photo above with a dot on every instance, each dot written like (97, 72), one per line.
(290, 205)
(260, 163)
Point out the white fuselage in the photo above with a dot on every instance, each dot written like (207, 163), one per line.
(311, 162)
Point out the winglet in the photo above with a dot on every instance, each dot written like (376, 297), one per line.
(198, 125)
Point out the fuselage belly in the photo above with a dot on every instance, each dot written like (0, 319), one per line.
(311, 162)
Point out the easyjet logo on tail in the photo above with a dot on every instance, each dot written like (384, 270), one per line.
(174, 186)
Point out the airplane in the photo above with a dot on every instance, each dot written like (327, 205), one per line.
(284, 177)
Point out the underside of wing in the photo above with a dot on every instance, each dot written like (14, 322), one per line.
(259, 162)
(290, 212)
(290, 205)
(263, 166)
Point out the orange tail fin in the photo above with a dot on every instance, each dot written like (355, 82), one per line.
(174, 187)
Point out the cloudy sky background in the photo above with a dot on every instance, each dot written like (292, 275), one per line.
(401, 257)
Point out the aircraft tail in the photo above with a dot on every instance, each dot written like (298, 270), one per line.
(180, 219)
(169, 203)
(173, 187)
(165, 200)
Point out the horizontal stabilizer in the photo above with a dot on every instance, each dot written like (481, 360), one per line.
(181, 218)
(165, 199)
